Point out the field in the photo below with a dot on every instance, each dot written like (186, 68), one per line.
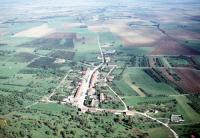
(188, 113)
(49, 43)
(194, 44)
(35, 32)
(159, 133)
(190, 80)
(142, 80)
(68, 55)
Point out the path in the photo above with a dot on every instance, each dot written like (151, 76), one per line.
(183, 68)
(125, 106)
(166, 125)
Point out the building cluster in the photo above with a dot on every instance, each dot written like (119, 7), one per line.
(176, 118)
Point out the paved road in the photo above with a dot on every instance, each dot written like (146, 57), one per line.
(86, 83)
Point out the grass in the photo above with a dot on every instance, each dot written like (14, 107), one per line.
(139, 51)
(43, 52)
(135, 100)
(185, 131)
(54, 118)
(142, 80)
(194, 44)
(109, 37)
(175, 61)
(125, 88)
(10, 68)
(160, 132)
(189, 114)
(89, 50)
(51, 107)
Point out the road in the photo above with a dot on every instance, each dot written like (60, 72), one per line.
(110, 72)
(125, 106)
(183, 68)
(58, 86)
(166, 125)
(47, 98)
(86, 83)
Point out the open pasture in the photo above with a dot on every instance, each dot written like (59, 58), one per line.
(49, 43)
(147, 83)
(23, 57)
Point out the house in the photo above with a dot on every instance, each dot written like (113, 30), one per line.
(176, 118)
(102, 97)
(59, 61)
(91, 92)
(109, 52)
(94, 103)
(110, 78)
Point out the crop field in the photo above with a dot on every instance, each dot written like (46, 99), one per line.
(190, 80)
(194, 44)
(144, 81)
(23, 57)
(44, 62)
(186, 79)
(189, 114)
(136, 100)
(108, 38)
(178, 61)
(159, 133)
(87, 48)
(10, 68)
(68, 55)
(49, 43)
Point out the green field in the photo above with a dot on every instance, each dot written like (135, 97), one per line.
(124, 88)
(194, 44)
(141, 79)
(109, 38)
(160, 133)
(135, 100)
(9, 69)
(176, 61)
(88, 48)
(189, 114)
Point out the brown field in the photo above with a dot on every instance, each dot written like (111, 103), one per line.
(58, 35)
(72, 25)
(182, 34)
(151, 61)
(144, 36)
(36, 32)
(135, 37)
(150, 37)
(167, 46)
(190, 80)
(98, 28)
